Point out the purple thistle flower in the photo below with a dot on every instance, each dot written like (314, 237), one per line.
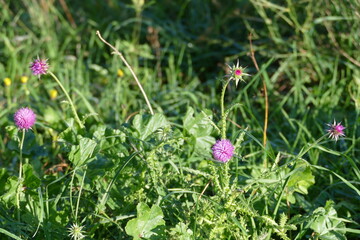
(24, 118)
(236, 73)
(336, 130)
(223, 150)
(39, 67)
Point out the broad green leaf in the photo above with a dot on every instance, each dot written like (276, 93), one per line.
(199, 127)
(11, 187)
(181, 232)
(146, 126)
(147, 220)
(81, 153)
(51, 115)
(300, 181)
(326, 224)
(31, 178)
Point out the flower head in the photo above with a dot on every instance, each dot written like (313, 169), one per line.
(24, 118)
(223, 150)
(53, 93)
(336, 130)
(7, 82)
(39, 67)
(120, 73)
(76, 232)
(24, 79)
(236, 73)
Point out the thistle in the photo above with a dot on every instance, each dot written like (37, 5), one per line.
(223, 150)
(335, 130)
(39, 67)
(236, 73)
(76, 232)
(24, 118)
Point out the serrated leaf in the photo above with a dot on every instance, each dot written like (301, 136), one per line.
(147, 220)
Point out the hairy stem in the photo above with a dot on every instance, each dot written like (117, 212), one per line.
(222, 105)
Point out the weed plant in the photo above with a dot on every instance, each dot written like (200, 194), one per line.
(171, 137)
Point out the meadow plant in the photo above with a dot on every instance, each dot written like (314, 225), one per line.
(24, 119)
(335, 130)
(40, 67)
(237, 73)
(24, 79)
(174, 173)
(76, 232)
(7, 82)
(223, 150)
(53, 94)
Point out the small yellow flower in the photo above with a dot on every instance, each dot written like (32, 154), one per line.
(53, 94)
(7, 82)
(120, 73)
(24, 79)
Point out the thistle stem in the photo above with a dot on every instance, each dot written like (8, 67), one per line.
(223, 117)
(69, 99)
(20, 173)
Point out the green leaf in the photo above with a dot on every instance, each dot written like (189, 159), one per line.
(146, 221)
(326, 224)
(146, 126)
(181, 232)
(197, 125)
(81, 153)
(300, 181)
(200, 128)
(4, 231)
(11, 187)
(31, 178)
(3, 176)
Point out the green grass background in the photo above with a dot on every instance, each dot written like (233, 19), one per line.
(308, 53)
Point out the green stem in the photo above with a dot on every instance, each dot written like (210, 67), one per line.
(20, 174)
(21, 150)
(69, 99)
(78, 200)
(71, 188)
(8, 95)
(222, 105)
